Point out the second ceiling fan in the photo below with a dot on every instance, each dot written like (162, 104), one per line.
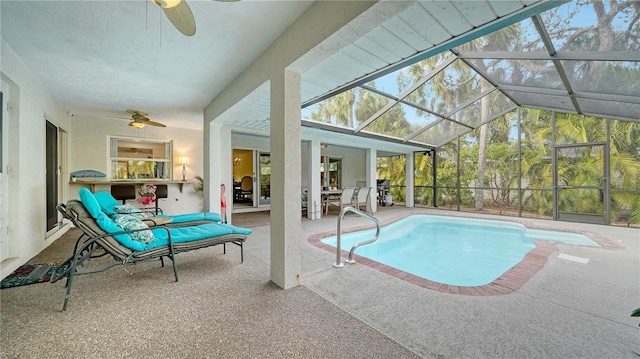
(140, 119)
(180, 15)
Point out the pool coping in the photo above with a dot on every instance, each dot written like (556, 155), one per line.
(510, 281)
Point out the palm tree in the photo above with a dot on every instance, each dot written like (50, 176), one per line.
(341, 106)
(368, 103)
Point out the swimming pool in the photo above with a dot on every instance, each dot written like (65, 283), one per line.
(453, 251)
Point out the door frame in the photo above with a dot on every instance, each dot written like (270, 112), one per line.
(52, 182)
(4, 168)
(60, 174)
(266, 201)
(603, 218)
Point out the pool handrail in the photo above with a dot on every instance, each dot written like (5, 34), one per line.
(350, 260)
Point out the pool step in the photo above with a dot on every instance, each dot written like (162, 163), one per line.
(573, 258)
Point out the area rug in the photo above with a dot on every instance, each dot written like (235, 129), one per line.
(28, 274)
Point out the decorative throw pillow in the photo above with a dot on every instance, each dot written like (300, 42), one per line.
(129, 222)
(129, 209)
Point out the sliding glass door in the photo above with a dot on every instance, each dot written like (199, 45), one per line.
(264, 181)
(251, 178)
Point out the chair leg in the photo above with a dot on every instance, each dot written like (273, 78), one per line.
(72, 271)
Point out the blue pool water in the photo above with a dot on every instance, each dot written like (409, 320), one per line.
(454, 251)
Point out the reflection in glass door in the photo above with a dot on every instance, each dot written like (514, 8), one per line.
(331, 174)
(580, 183)
(264, 180)
(243, 178)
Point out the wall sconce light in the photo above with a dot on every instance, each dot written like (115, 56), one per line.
(236, 162)
(183, 160)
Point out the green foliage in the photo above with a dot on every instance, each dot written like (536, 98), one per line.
(198, 185)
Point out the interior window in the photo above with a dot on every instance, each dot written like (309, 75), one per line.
(330, 175)
(140, 159)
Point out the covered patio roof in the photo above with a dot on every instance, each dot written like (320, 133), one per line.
(579, 57)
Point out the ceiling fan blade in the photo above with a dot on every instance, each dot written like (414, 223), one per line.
(139, 117)
(182, 18)
(154, 123)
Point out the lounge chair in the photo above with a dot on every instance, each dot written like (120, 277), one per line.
(111, 206)
(101, 236)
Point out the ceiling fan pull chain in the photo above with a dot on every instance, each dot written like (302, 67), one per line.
(161, 21)
(146, 17)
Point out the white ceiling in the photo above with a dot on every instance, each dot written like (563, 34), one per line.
(100, 58)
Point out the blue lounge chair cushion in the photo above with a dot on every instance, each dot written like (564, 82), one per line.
(111, 206)
(192, 217)
(194, 233)
(107, 202)
(107, 224)
(182, 234)
(90, 202)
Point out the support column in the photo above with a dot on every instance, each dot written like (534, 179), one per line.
(225, 163)
(410, 180)
(213, 168)
(371, 154)
(285, 179)
(314, 198)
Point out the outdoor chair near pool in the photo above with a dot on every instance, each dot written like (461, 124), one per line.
(364, 199)
(128, 240)
(346, 199)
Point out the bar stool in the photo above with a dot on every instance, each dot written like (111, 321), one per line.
(123, 192)
(161, 192)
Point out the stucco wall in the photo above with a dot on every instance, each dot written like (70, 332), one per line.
(30, 102)
(89, 149)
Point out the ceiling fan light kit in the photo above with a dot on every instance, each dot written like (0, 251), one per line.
(166, 4)
(179, 14)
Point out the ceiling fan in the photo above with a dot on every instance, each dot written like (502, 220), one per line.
(139, 119)
(180, 15)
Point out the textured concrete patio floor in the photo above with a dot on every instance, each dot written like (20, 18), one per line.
(567, 309)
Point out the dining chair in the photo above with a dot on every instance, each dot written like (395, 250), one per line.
(364, 198)
(346, 199)
(246, 187)
(162, 191)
